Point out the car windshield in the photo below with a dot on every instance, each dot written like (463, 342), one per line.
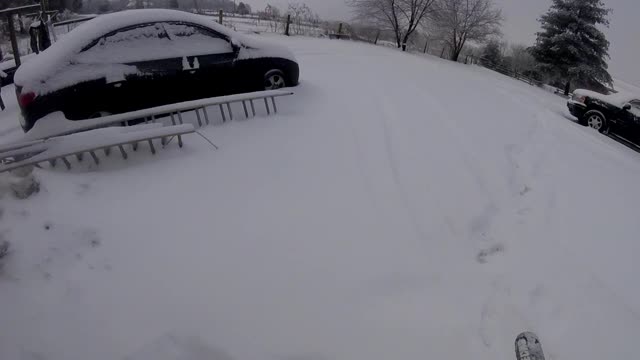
(319, 179)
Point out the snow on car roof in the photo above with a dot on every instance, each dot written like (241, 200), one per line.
(59, 55)
(618, 99)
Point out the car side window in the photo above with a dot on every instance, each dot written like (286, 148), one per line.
(132, 44)
(193, 40)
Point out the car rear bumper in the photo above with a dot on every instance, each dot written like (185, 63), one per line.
(576, 109)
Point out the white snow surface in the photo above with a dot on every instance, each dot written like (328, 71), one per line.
(8, 64)
(397, 207)
(43, 74)
(623, 86)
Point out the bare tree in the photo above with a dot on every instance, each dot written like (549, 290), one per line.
(521, 58)
(459, 21)
(301, 17)
(400, 16)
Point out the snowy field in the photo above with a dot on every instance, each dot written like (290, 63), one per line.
(398, 207)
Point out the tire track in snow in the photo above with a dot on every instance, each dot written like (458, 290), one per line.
(386, 112)
(550, 135)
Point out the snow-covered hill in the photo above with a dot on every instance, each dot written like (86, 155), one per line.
(623, 86)
(398, 207)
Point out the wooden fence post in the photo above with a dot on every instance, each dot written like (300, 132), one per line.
(340, 29)
(442, 53)
(286, 31)
(377, 37)
(14, 40)
(220, 16)
(426, 46)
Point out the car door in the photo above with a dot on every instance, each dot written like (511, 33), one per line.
(137, 67)
(633, 119)
(207, 59)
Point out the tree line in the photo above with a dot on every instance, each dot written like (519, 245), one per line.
(570, 50)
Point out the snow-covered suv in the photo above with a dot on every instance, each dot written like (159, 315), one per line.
(618, 113)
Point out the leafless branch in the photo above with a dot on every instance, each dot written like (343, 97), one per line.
(459, 21)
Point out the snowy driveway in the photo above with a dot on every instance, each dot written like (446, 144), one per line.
(399, 207)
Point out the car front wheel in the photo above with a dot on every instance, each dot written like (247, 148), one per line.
(274, 80)
(596, 120)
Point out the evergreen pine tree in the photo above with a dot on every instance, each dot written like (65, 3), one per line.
(492, 54)
(570, 48)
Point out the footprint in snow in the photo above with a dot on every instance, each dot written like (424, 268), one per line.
(66, 248)
(486, 253)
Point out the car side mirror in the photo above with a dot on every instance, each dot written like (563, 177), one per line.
(626, 107)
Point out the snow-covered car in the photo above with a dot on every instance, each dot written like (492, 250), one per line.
(619, 113)
(143, 58)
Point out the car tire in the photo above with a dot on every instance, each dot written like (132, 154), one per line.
(274, 79)
(596, 120)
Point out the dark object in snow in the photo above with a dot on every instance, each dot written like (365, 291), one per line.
(25, 187)
(3, 75)
(39, 35)
(138, 59)
(485, 253)
(4, 248)
(618, 113)
(528, 347)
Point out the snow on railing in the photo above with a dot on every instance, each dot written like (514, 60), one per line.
(54, 137)
(57, 125)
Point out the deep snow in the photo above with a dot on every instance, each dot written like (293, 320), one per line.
(398, 207)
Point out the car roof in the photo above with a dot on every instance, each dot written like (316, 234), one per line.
(58, 56)
(618, 99)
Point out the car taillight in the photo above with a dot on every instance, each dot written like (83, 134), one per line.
(25, 99)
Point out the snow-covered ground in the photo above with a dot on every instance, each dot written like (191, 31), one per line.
(398, 207)
(623, 86)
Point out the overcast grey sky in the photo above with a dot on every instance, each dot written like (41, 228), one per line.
(521, 25)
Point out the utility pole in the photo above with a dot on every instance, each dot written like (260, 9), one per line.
(43, 7)
(286, 31)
